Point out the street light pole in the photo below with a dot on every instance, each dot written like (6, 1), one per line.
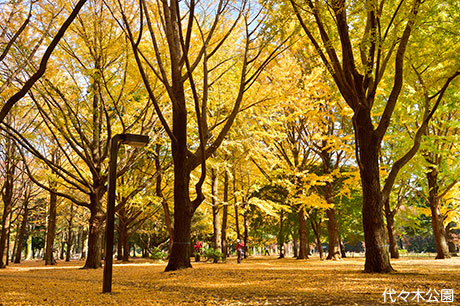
(133, 140)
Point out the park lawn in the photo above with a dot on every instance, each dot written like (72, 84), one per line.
(256, 281)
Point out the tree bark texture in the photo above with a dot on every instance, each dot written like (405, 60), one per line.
(377, 259)
(439, 232)
(302, 234)
(180, 253)
(96, 227)
(390, 217)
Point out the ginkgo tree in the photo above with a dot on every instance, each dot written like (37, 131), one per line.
(187, 39)
(363, 46)
(82, 102)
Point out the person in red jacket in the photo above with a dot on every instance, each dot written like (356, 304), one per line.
(198, 247)
(239, 250)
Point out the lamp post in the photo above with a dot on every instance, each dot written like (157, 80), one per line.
(132, 140)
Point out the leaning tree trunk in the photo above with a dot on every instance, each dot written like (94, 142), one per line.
(368, 145)
(439, 232)
(390, 216)
(302, 234)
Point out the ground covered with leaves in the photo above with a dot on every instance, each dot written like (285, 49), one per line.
(256, 281)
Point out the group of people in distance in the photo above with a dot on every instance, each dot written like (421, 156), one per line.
(239, 250)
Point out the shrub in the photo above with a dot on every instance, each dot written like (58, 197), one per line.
(213, 254)
(156, 253)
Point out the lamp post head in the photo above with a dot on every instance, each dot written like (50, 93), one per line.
(134, 140)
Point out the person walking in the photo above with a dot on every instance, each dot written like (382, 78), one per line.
(239, 250)
(267, 252)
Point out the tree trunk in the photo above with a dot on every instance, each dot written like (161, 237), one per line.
(180, 253)
(8, 239)
(237, 222)
(333, 235)
(16, 240)
(30, 251)
(368, 145)
(332, 225)
(390, 216)
(69, 235)
(183, 209)
(159, 194)
(216, 238)
(119, 245)
(96, 221)
(225, 217)
(7, 196)
(51, 230)
(84, 237)
(124, 241)
(62, 249)
(450, 244)
(342, 249)
(295, 247)
(317, 231)
(246, 230)
(439, 232)
(281, 236)
(302, 234)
